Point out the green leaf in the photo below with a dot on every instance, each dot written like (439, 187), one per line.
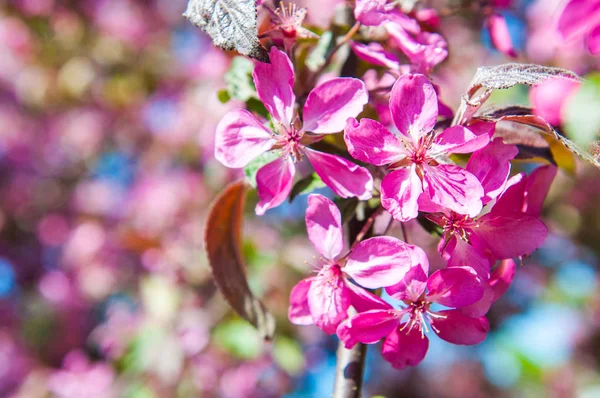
(256, 106)
(316, 59)
(306, 186)
(582, 119)
(252, 168)
(239, 79)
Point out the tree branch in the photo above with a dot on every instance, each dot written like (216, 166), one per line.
(349, 371)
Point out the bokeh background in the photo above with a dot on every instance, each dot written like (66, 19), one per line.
(107, 117)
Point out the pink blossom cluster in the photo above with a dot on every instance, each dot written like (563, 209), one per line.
(410, 167)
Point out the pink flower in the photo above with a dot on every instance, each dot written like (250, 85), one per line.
(417, 157)
(240, 137)
(404, 329)
(549, 98)
(324, 299)
(287, 25)
(581, 19)
(424, 49)
(505, 232)
(500, 35)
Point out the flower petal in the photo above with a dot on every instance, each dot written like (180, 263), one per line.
(502, 277)
(328, 300)
(370, 142)
(454, 287)
(274, 182)
(275, 85)
(368, 327)
(593, 41)
(500, 35)
(512, 198)
(414, 105)
(459, 139)
(345, 178)
(371, 12)
(458, 328)
(537, 187)
(375, 54)
(330, 104)
(509, 235)
(453, 187)
(481, 306)
(240, 138)
(378, 262)
(424, 50)
(412, 286)
(299, 312)
(324, 226)
(578, 17)
(363, 300)
(491, 166)
(463, 255)
(402, 348)
(400, 192)
(550, 98)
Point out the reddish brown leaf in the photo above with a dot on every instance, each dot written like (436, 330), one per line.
(223, 246)
(519, 127)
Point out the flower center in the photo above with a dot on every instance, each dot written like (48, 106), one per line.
(419, 315)
(288, 140)
(458, 225)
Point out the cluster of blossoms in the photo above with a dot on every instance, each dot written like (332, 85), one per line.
(486, 218)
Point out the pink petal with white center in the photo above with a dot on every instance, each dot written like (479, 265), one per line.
(403, 348)
(414, 105)
(400, 192)
(370, 142)
(537, 187)
(378, 262)
(481, 306)
(578, 17)
(453, 187)
(462, 254)
(345, 178)
(330, 104)
(375, 54)
(363, 300)
(240, 138)
(502, 277)
(411, 287)
(458, 328)
(273, 183)
(500, 35)
(509, 235)
(454, 287)
(275, 86)
(299, 312)
(491, 166)
(328, 299)
(459, 139)
(324, 226)
(593, 41)
(368, 327)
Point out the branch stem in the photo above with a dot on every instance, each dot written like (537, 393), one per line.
(349, 371)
